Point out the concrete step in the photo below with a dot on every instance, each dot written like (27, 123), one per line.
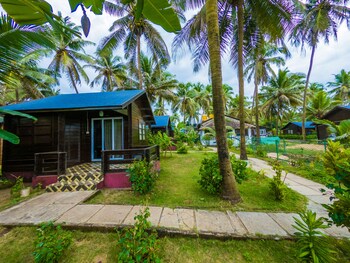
(73, 186)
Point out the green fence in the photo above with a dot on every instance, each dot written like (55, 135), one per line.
(282, 149)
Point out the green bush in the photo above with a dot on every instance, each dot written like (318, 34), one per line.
(181, 148)
(5, 183)
(51, 242)
(142, 177)
(162, 140)
(136, 244)
(277, 186)
(313, 245)
(239, 169)
(211, 179)
(261, 151)
(336, 160)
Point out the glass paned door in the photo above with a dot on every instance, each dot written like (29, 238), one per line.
(107, 134)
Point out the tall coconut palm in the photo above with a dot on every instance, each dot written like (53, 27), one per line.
(341, 86)
(158, 84)
(203, 96)
(282, 92)
(185, 102)
(111, 71)
(317, 20)
(259, 67)
(271, 16)
(128, 30)
(230, 190)
(319, 105)
(68, 52)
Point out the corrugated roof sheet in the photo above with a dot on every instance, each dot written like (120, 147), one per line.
(161, 121)
(115, 99)
(308, 124)
(346, 107)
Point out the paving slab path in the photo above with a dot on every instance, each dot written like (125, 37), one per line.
(68, 208)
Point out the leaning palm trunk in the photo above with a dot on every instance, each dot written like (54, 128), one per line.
(257, 128)
(139, 61)
(303, 131)
(240, 80)
(230, 190)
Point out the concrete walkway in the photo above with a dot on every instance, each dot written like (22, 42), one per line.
(68, 208)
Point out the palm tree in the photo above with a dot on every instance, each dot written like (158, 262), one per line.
(259, 68)
(203, 96)
(230, 190)
(159, 84)
(341, 86)
(341, 130)
(319, 105)
(68, 52)
(16, 42)
(128, 31)
(270, 16)
(110, 71)
(185, 102)
(317, 19)
(282, 92)
(233, 108)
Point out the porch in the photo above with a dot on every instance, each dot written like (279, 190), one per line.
(111, 172)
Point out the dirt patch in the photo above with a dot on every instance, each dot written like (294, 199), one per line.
(314, 147)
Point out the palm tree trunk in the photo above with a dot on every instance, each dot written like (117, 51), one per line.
(139, 60)
(230, 190)
(303, 131)
(243, 150)
(257, 128)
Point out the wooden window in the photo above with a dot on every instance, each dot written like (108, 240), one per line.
(142, 131)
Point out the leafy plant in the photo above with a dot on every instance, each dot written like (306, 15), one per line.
(16, 188)
(261, 151)
(336, 160)
(239, 169)
(313, 246)
(161, 139)
(211, 179)
(277, 186)
(136, 244)
(181, 148)
(142, 177)
(51, 242)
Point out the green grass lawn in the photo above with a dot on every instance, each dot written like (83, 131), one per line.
(177, 187)
(17, 246)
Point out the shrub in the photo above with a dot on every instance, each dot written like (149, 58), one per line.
(261, 151)
(136, 244)
(313, 246)
(181, 148)
(239, 169)
(51, 242)
(229, 143)
(211, 179)
(277, 186)
(16, 188)
(297, 137)
(161, 139)
(336, 161)
(142, 177)
(200, 146)
(5, 183)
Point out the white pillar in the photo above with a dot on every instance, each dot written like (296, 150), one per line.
(249, 132)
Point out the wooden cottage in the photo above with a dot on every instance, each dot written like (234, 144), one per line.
(162, 124)
(336, 115)
(107, 128)
(295, 127)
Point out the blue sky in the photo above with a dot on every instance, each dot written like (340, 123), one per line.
(329, 59)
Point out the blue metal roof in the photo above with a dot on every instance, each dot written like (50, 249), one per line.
(101, 100)
(346, 107)
(308, 124)
(161, 121)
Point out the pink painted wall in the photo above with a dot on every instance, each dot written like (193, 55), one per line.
(45, 180)
(116, 180)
